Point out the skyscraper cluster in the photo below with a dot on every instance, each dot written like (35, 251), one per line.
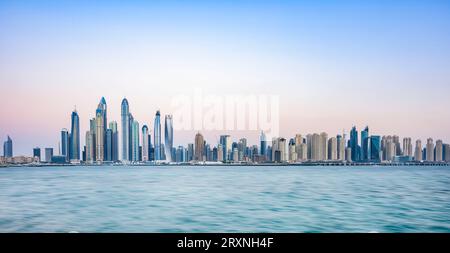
(102, 138)
(102, 145)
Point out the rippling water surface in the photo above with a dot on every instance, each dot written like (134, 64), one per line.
(225, 199)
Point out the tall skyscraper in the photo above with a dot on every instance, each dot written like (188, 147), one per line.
(108, 145)
(90, 147)
(263, 144)
(65, 143)
(99, 136)
(103, 108)
(365, 144)
(168, 137)
(323, 149)
(145, 143)
(225, 141)
(446, 152)
(340, 148)
(439, 151)
(354, 144)
(389, 148)
(74, 148)
(114, 141)
(37, 153)
(48, 154)
(407, 147)
(157, 136)
(418, 151)
(316, 147)
(199, 147)
(135, 141)
(125, 116)
(375, 148)
(92, 132)
(398, 148)
(8, 147)
(332, 149)
(430, 150)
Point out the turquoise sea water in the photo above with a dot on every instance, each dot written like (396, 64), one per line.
(225, 199)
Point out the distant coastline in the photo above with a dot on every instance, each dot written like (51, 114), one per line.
(304, 164)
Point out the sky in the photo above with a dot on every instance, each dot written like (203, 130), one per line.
(333, 64)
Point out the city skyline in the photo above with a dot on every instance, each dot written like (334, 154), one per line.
(332, 65)
(102, 145)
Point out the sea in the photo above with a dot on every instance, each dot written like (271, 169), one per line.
(305, 199)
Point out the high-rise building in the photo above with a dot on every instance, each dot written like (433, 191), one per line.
(125, 116)
(199, 147)
(375, 148)
(135, 141)
(263, 144)
(292, 151)
(316, 147)
(8, 147)
(235, 155)
(389, 148)
(90, 147)
(157, 136)
(99, 136)
(430, 150)
(323, 150)
(348, 154)
(219, 152)
(145, 144)
(302, 152)
(439, 151)
(354, 144)
(74, 147)
(65, 143)
(446, 153)
(168, 137)
(225, 141)
(418, 151)
(93, 131)
(332, 149)
(340, 148)
(114, 141)
(48, 154)
(103, 108)
(190, 152)
(309, 144)
(398, 148)
(407, 147)
(365, 144)
(37, 153)
(108, 145)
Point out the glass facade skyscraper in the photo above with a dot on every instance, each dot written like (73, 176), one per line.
(114, 141)
(135, 141)
(263, 144)
(168, 137)
(375, 148)
(225, 141)
(8, 147)
(145, 144)
(354, 144)
(365, 144)
(157, 136)
(125, 116)
(65, 143)
(74, 146)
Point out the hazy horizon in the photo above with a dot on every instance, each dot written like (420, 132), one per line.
(333, 64)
